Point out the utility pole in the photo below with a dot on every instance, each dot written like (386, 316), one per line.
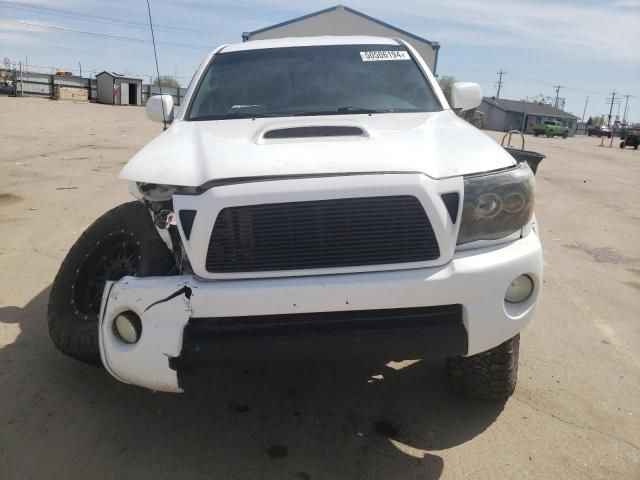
(584, 112)
(557, 87)
(21, 82)
(613, 99)
(499, 83)
(80, 65)
(626, 104)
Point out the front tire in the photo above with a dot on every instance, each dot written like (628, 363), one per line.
(489, 375)
(121, 242)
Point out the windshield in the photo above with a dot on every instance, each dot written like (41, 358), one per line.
(312, 81)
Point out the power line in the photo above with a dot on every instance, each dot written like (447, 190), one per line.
(101, 35)
(64, 13)
(69, 69)
(536, 80)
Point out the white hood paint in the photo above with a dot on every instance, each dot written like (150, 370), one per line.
(437, 144)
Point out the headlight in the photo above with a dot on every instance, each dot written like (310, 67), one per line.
(155, 192)
(496, 205)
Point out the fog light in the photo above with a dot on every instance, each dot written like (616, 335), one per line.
(128, 327)
(519, 290)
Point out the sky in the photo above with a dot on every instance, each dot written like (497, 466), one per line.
(590, 48)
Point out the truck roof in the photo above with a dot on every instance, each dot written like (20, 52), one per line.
(308, 42)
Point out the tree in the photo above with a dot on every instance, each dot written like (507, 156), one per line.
(446, 84)
(166, 81)
(540, 98)
(596, 121)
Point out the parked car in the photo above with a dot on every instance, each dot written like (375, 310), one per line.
(631, 138)
(292, 210)
(599, 131)
(551, 128)
(6, 87)
(620, 130)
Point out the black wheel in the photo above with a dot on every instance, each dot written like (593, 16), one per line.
(622, 144)
(589, 134)
(565, 135)
(549, 135)
(121, 242)
(635, 147)
(535, 134)
(490, 375)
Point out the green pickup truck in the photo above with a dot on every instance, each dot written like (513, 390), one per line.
(551, 128)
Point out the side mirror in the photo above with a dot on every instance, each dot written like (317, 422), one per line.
(156, 105)
(465, 96)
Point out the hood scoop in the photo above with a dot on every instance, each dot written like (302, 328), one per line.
(314, 131)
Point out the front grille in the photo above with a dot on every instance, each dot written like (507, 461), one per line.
(321, 234)
(322, 323)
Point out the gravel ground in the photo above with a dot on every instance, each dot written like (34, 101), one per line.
(575, 413)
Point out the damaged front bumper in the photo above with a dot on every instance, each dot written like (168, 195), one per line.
(454, 309)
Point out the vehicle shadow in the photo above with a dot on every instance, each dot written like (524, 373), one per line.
(62, 419)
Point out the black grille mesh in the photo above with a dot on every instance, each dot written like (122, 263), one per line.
(321, 234)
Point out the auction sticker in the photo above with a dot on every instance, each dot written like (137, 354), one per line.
(382, 55)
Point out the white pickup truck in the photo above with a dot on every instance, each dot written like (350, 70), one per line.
(312, 198)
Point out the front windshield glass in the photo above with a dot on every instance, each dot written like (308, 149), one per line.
(320, 80)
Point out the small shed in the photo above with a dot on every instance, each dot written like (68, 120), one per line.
(118, 89)
(342, 20)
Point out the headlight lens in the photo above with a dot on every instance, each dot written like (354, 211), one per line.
(496, 205)
(155, 192)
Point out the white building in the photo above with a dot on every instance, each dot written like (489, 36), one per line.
(503, 115)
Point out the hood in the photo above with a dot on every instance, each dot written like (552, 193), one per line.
(438, 144)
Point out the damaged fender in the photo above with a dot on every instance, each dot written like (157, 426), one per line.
(146, 362)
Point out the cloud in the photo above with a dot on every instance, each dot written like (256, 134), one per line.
(573, 28)
(598, 30)
(22, 35)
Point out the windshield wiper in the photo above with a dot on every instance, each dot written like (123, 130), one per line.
(348, 110)
(228, 116)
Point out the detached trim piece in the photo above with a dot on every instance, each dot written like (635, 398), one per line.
(223, 182)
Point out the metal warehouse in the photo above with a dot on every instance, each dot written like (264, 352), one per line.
(342, 20)
(118, 89)
(503, 115)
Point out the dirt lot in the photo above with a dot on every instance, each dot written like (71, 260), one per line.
(575, 414)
